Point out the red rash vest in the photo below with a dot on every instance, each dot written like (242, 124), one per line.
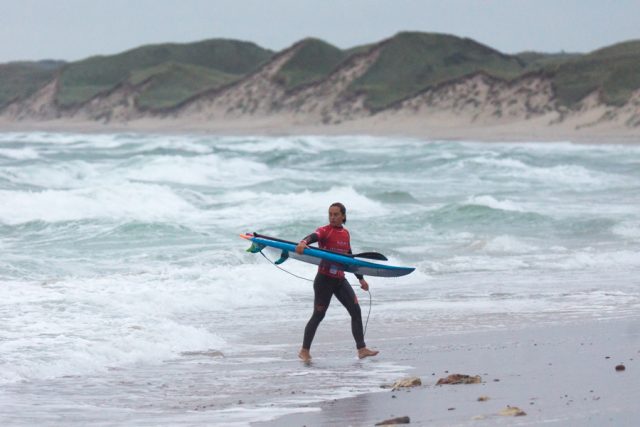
(335, 239)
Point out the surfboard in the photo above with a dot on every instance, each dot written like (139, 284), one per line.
(313, 255)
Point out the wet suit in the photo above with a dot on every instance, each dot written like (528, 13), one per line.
(330, 281)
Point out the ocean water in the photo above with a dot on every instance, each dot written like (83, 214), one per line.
(126, 294)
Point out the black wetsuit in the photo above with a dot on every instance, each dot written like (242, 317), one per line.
(324, 287)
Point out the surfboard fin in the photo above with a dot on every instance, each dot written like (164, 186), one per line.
(256, 247)
(283, 257)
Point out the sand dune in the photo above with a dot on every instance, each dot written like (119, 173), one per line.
(477, 106)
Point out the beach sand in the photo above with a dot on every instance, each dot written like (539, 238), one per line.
(443, 127)
(562, 374)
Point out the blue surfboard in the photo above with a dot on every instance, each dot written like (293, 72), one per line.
(312, 255)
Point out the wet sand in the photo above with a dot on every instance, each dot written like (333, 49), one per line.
(562, 375)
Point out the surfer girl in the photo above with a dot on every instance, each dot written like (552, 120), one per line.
(330, 281)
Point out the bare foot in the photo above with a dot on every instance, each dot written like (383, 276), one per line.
(365, 352)
(304, 355)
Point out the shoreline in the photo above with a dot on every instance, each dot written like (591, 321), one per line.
(514, 132)
(562, 374)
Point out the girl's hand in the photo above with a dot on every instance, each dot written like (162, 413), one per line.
(301, 247)
(364, 285)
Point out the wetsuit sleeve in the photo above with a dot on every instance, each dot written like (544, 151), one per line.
(311, 238)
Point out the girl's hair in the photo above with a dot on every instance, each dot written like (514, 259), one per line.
(343, 210)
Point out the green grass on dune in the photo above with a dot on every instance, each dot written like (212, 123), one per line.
(313, 61)
(170, 83)
(411, 62)
(536, 61)
(22, 79)
(615, 71)
(84, 79)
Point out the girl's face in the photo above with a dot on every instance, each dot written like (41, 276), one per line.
(336, 219)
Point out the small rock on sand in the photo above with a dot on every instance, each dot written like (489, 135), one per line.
(460, 379)
(512, 411)
(394, 421)
(483, 398)
(620, 368)
(407, 382)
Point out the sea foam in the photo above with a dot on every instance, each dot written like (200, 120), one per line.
(137, 201)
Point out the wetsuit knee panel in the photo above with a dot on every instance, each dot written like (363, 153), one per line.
(318, 308)
(318, 315)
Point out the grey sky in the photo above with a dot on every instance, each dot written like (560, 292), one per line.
(75, 29)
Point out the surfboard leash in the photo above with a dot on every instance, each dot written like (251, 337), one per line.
(364, 333)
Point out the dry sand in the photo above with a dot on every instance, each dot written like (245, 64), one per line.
(444, 127)
(561, 375)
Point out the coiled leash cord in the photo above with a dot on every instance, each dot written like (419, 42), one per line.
(309, 280)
